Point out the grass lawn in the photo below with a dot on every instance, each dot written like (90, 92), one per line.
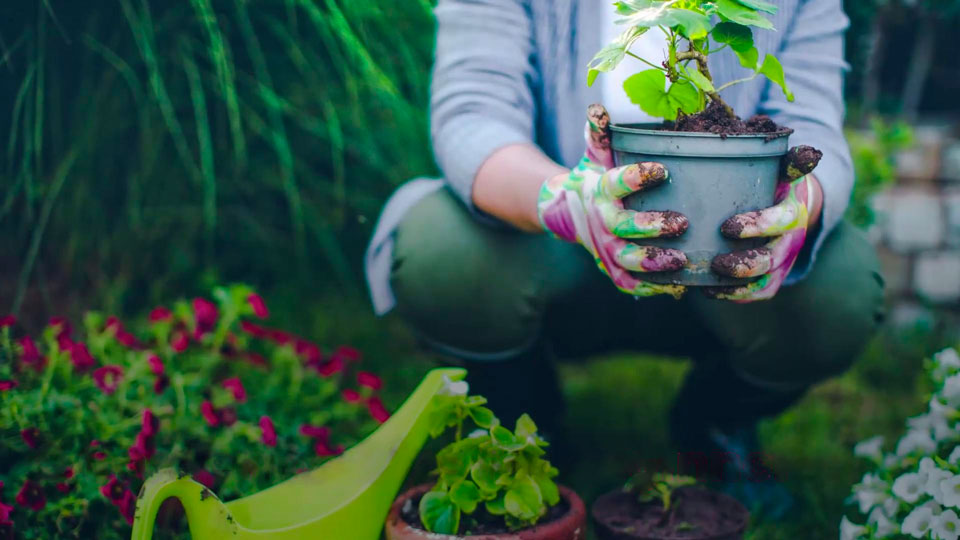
(617, 415)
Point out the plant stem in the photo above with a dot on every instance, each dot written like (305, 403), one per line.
(738, 81)
(693, 54)
(647, 62)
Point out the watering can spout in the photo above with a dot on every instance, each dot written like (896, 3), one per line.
(346, 498)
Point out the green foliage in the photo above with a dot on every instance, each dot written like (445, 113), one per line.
(874, 163)
(494, 469)
(659, 487)
(200, 387)
(692, 22)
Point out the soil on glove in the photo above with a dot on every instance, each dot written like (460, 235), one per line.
(714, 119)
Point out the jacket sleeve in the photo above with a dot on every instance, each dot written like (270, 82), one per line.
(481, 97)
(813, 61)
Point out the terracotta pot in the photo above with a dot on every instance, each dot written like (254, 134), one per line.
(570, 526)
(620, 516)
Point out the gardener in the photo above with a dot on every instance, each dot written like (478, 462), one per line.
(466, 263)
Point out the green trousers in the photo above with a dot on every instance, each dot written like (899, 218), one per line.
(484, 294)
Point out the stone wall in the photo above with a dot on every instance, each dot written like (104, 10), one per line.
(917, 230)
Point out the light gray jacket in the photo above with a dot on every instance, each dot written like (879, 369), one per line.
(514, 71)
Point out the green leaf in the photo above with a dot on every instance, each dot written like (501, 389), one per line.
(749, 58)
(524, 500)
(439, 514)
(503, 438)
(466, 495)
(525, 427)
(484, 475)
(731, 10)
(693, 25)
(773, 70)
(738, 36)
(496, 506)
(760, 5)
(482, 416)
(646, 89)
(610, 56)
(548, 488)
(697, 78)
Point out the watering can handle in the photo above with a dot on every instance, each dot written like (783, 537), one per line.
(207, 516)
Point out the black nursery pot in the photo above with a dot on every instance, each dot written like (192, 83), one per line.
(707, 515)
(712, 177)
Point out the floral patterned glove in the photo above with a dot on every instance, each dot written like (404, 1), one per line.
(786, 223)
(586, 207)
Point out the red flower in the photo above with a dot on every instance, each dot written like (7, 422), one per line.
(267, 432)
(107, 378)
(204, 315)
(279, 336)
(160, 384)
(309, 351)
(99, 456)
(228, 416)
(259, 308)
(30, 355)
(315, 432)
(254, 330)
(180, 341)
(371, 381)
(142, 449)
(150, 423)
(210, 415)
(331, 367)
(113, 489)
(68, 473)
(31, 496)
(351, 396)
(30, 436)
(205, 477)
(128, 506)
(62, 325)
(156, 364)
(7, 384)
(81, 358)
(377, 410)
(346, 353)
(323, 448)
(121, 497)
(5, 510)
(256, 359)
(236, 387)
(64, 487)
(7, 320)
(160, 313)
(120, 333)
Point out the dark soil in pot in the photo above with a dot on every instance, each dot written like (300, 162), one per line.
(564, 521)
(699, 514)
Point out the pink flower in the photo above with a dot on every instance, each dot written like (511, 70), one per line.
(113, 489)
(180, 340)
(30, 355)
(236, 388)
(259, 308)
(30, 436)
(256, 359)
(160, 313)
(205, 477)
(68, 473)
(80, 357)
(371, 381)
(323, 448)
(331, 367)
(204, 315)
(160, 384)
(156, 364)
(7, 320)
(99, 456)
(351, 396)
(62, 487)
(346, 353)
(31, 496)
(315, 432)
(228, 416)
(267, 432)
(254, 330)
(150, 424)
(377, 410)
(121, 497)
(120, 333)
(279, 336)
(62, 326)
(107, 378)
(7, 384)
(310, 352)
(5, 510)
(128, 506)
(209, 414)
(142, 449)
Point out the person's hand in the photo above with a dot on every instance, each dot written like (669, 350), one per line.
(786, 223)
(585, 206)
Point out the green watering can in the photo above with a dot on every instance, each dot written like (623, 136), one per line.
(346, 498)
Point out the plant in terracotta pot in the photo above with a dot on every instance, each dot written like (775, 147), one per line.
(719, 166)
(492, 482)
(666, 506)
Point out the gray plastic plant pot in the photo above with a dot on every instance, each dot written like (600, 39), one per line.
(711, 178)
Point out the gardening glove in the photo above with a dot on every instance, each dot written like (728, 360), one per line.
(786, 223)
(585, 206)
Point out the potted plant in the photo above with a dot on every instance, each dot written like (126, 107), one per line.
(667, 506)
(491, 483)
(719, 165)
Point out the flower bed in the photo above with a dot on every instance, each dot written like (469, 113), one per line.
(203, 386)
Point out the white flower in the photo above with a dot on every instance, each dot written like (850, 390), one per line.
(934, 475)
(909, 487)
(881, 524)
(947, 526)
(951, 390)
(890, 461)
(918, 522)
(850, 530)
(870, 492)
(869, 448)
(951, 491)
(891, 505)
(946, 362)
(940, 416)
(450, 388)
(954, 457)
(916, 440)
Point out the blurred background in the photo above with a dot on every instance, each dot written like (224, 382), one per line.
(152, 149)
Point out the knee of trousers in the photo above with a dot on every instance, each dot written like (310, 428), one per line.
(461, 285)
